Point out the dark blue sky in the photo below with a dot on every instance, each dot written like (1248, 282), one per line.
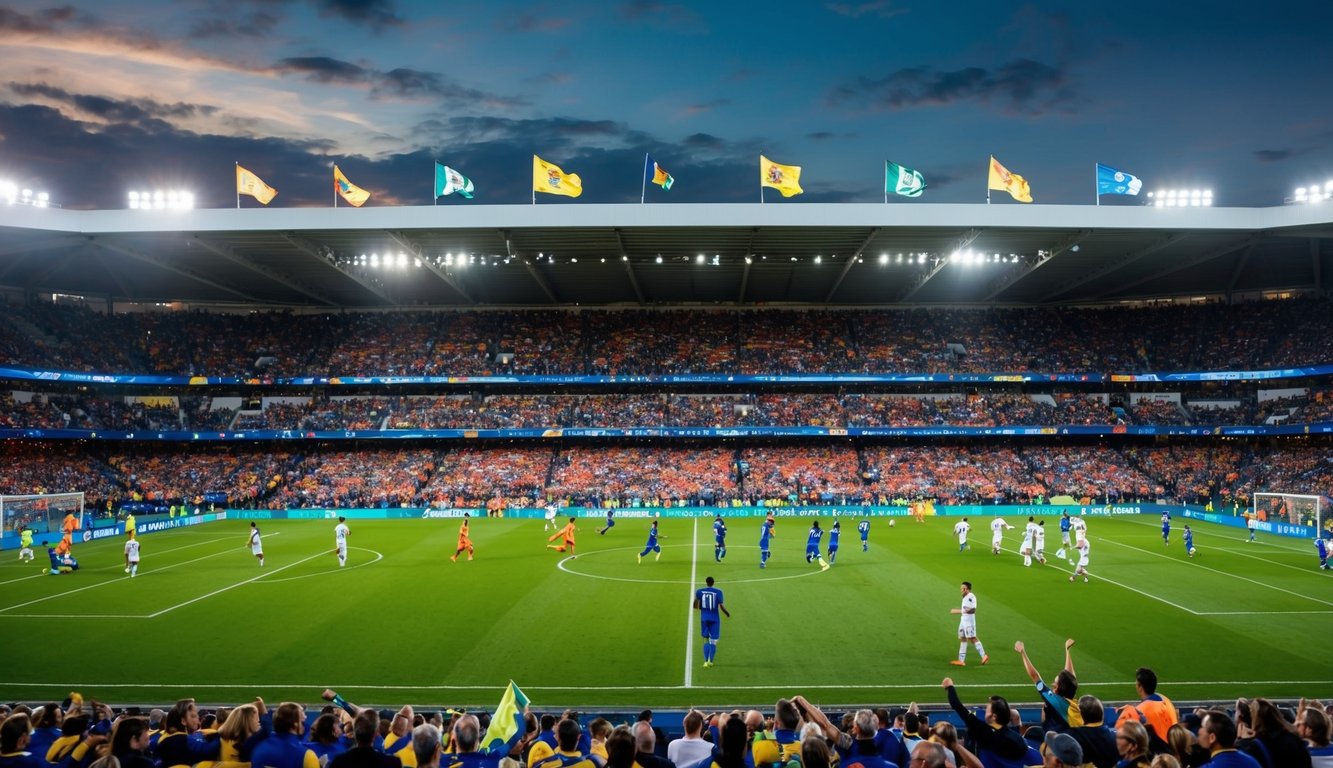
(101, 97)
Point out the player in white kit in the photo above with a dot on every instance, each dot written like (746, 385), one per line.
(132, 556)
(1039, 542)
(1029, 536)
(1082, 569)
(960, 530)
(997, 528)
(967, 626)
(340, 532)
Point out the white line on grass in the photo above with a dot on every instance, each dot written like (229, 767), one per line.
(689, 615)
(1224, 573)
(46, 572)
(3, 613)
(1099, 577)
(1262, 613)
(567, 563)
(329, 571)
(1278, 544)
(234, 586)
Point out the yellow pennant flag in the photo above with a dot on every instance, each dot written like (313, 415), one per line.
(1001, 179)
(548, 178)
(350, 192)
(249, 184)
(784, 178)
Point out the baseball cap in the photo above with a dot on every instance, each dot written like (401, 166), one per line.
(1065, 748)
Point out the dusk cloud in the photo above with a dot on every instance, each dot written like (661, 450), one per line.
(1022, 86)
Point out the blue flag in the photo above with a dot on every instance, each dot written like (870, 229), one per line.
(1113, 182)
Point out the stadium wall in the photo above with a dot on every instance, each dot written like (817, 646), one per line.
(144, 526)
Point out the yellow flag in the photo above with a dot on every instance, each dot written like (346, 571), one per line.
(548, 178)
(350, 192)
(1003, 180)
(784, 178)
(249, 184)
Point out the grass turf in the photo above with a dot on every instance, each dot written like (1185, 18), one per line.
(403, 624)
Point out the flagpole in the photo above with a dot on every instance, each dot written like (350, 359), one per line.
(435, 199)
(1096, 188)
(988, 167)
(886, 182)
(238, 186)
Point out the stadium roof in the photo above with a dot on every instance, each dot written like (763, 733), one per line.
(591, 255)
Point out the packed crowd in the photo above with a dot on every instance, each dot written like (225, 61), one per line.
(310, 474)
(629, 410)
(260, 345)
(1071, 730)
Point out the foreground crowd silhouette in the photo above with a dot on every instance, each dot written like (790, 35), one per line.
(1069, 730)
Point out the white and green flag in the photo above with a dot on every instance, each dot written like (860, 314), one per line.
(449, 181)
(903, 181)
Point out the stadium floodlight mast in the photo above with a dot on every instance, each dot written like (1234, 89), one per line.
(12, 194)
(1312, 194)
(1180, 198)
(160, 200)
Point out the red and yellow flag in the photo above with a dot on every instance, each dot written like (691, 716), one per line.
(1002, 179)
(350, 192)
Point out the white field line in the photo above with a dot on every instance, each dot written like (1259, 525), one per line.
(3, 611)
(1224, 573)
(234, 586)
(1099, 577)
(1248, 553)
(109, 567)
(689, 610)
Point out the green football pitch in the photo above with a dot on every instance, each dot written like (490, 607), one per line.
(403, 624)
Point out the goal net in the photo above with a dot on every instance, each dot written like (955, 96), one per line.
(1292, 508)
(43, 512)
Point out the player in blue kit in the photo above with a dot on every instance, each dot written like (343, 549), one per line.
(833, 535)
(1166, 528)
(610, 522)
(812, 545)
(719, 539)
(652, 545)
(1321, 546)
(1189, 540)
(708, 601)
(765, 534)
(863, 528)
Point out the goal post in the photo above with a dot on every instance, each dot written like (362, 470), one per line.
(1293, 508)
(43, 513)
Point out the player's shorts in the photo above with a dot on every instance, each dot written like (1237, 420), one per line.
(610, 523)
(134, 562)
(812, 551)
(996, 540)
(256, 549)
(711, 629)
(1064, 537)
(1083, 561)
(1026, 546)
(967, 628)
(341, 549)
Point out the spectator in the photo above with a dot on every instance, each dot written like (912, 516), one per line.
(1267, 737)
(128, 746)
(944, 734)
(1154, 710)
(178, 744)
(15, 739)
(1058, 707)
(284, 747)
(1312, 723)
(690, 748)
(1061, 751)
(1132, 741)
(645, 746)
(620, 749)
(1184, 747)
(365, 727)
(240, 734)
(426, 746)
(1094, 737)
(993, 736)
(326, 739)
(1217, 734)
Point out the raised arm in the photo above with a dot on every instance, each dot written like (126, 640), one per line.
(1027, 663)
(1069, 657)
(814, 715)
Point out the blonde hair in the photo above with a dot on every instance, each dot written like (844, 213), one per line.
(237, 726)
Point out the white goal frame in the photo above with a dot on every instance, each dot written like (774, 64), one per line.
(43, 512)
(1299, 508)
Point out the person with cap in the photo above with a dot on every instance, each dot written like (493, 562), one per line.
(1060, 750)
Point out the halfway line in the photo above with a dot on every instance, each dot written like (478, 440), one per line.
(689, 617)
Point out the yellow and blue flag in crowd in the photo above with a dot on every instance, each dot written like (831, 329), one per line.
(507, 722)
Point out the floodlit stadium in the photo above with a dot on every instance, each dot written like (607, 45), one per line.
(401, 367)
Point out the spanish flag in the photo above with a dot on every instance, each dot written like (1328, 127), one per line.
(1003, 180)
(249, 184)
(507, 722)
(354, 195)
(548, 178)
(784, 178)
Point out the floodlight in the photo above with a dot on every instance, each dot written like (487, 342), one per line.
(884, 258)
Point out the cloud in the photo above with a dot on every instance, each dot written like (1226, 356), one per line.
(254, 25)
(377, 13)
(400, 83)
(40, 22)
(663, 15)
(706, 106)
(324, 69)
(114, 110)
(531, 22)
(1275, 155)
(881, 8)
(1021, 86)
